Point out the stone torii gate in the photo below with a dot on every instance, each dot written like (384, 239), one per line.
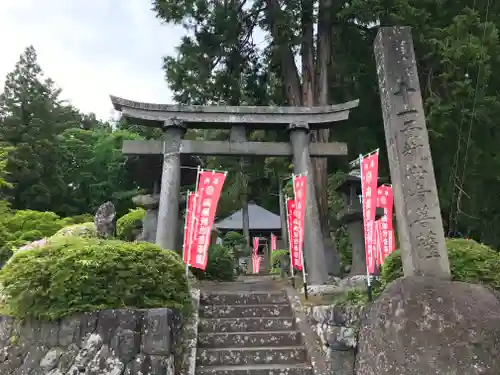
(174, 120)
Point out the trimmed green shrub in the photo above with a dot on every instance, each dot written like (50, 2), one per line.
(81, 219)
(31, 235)
(85, 230)
(470, 262)
(73, 274)
(19, 228)
(127, 225)
(46, 223)
(220, 265)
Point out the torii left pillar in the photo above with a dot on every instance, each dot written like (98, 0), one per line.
(168, 212)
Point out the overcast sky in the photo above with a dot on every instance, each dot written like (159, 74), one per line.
(91, 48)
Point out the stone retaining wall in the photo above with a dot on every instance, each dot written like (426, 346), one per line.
(111, 342)
(337, 328)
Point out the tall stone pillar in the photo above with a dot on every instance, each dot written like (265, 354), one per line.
(168, 213)
(416, 200)
(314, 246)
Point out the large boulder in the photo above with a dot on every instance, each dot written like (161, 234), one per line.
(424, 326)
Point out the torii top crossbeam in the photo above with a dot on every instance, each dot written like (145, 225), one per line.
(220, 117)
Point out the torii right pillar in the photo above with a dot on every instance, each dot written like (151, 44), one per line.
(314, 245)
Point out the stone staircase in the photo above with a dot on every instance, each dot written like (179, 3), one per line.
(249, 332)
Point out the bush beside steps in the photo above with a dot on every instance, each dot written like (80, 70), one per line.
(72, 274)
(470, 262)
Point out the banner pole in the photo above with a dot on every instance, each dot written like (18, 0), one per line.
(187, 246)
(289, 242)
(301, 242)
(194, 218)
(368, 278)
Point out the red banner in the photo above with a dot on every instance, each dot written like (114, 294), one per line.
(255, 243)
(255, 255)
(369, 173)
(274, 241)
(386, 230)
(209, 189)
(294, 258)
(188, 227)
(256, 263)
(300, 191)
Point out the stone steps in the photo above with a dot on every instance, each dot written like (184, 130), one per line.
(248, 332)
(251, 356)
(245, 324)
(236, 298)
(296, 369)
(248, 339)
(245, 311)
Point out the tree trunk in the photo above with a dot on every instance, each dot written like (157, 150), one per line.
(312, 91)
(307, 54)
(287, 64)
(320, 165)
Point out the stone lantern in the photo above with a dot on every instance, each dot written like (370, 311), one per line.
(352, 217)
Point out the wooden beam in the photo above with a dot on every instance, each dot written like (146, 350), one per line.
(221, 148)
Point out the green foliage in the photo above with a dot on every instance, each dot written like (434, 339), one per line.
(277, 259)
(470, 262)
(52, 157)
(23, 221)
(31, 235)
(73, 275)
(127, 225)
(220, 265)
(21, 227)
(82, 153)
(234, 240)
(80, 219)
(392, 268)
(344, 246)
(5, 254)
(352, 297)
(84, 230)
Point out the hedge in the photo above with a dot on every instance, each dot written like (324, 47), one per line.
(72, 274)
(127, 225)
(470, 262)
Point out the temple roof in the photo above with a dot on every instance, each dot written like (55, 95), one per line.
(260, 219)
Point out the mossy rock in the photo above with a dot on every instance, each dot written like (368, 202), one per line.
(128, 225)
(84, 230)
(470, 262)
(72, 274)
